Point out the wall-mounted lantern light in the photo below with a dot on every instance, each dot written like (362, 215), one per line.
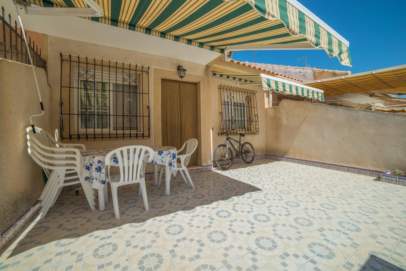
(181, 71)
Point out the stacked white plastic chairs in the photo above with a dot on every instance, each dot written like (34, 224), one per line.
(61, 162)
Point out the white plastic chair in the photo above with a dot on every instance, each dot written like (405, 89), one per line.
(183, 157)
(63, 166)
(184, 154)
(130, 161)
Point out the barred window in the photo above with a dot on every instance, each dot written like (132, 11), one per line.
(103, 99)
(238, 111)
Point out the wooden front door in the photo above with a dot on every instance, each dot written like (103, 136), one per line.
(179, 114)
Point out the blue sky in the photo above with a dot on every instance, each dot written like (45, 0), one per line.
(376, 31)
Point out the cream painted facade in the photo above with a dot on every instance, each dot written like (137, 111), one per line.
(160, 68)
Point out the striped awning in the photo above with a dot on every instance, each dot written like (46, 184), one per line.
(285, 87)
(389, 80)
(222, 25)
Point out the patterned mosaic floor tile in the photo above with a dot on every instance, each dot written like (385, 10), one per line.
(268, 216)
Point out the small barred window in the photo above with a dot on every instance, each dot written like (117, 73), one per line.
(238, 111)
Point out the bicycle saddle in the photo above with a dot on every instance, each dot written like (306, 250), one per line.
(242, 135)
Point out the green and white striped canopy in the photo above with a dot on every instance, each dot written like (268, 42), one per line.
(220, 25)
(285, 87)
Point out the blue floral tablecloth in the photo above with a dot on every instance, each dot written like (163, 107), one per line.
(163, 157)
(95, 170)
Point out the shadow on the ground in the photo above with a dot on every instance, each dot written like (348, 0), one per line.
(71, 216)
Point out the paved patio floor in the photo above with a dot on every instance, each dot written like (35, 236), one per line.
(268, 216)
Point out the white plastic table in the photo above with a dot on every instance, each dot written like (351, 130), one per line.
(94, 170)
(165, 156)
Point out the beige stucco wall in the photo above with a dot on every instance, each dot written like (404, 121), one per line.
(20, 178)
(258, 140)
(337, 135)
(160, 68)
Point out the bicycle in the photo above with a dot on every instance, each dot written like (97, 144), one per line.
(224, 154)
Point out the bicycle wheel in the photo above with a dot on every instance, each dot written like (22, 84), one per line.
(247, 152)
(222, 157)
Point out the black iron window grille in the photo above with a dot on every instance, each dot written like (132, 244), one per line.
(103, 99)
(238, 111)
(12, 45)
